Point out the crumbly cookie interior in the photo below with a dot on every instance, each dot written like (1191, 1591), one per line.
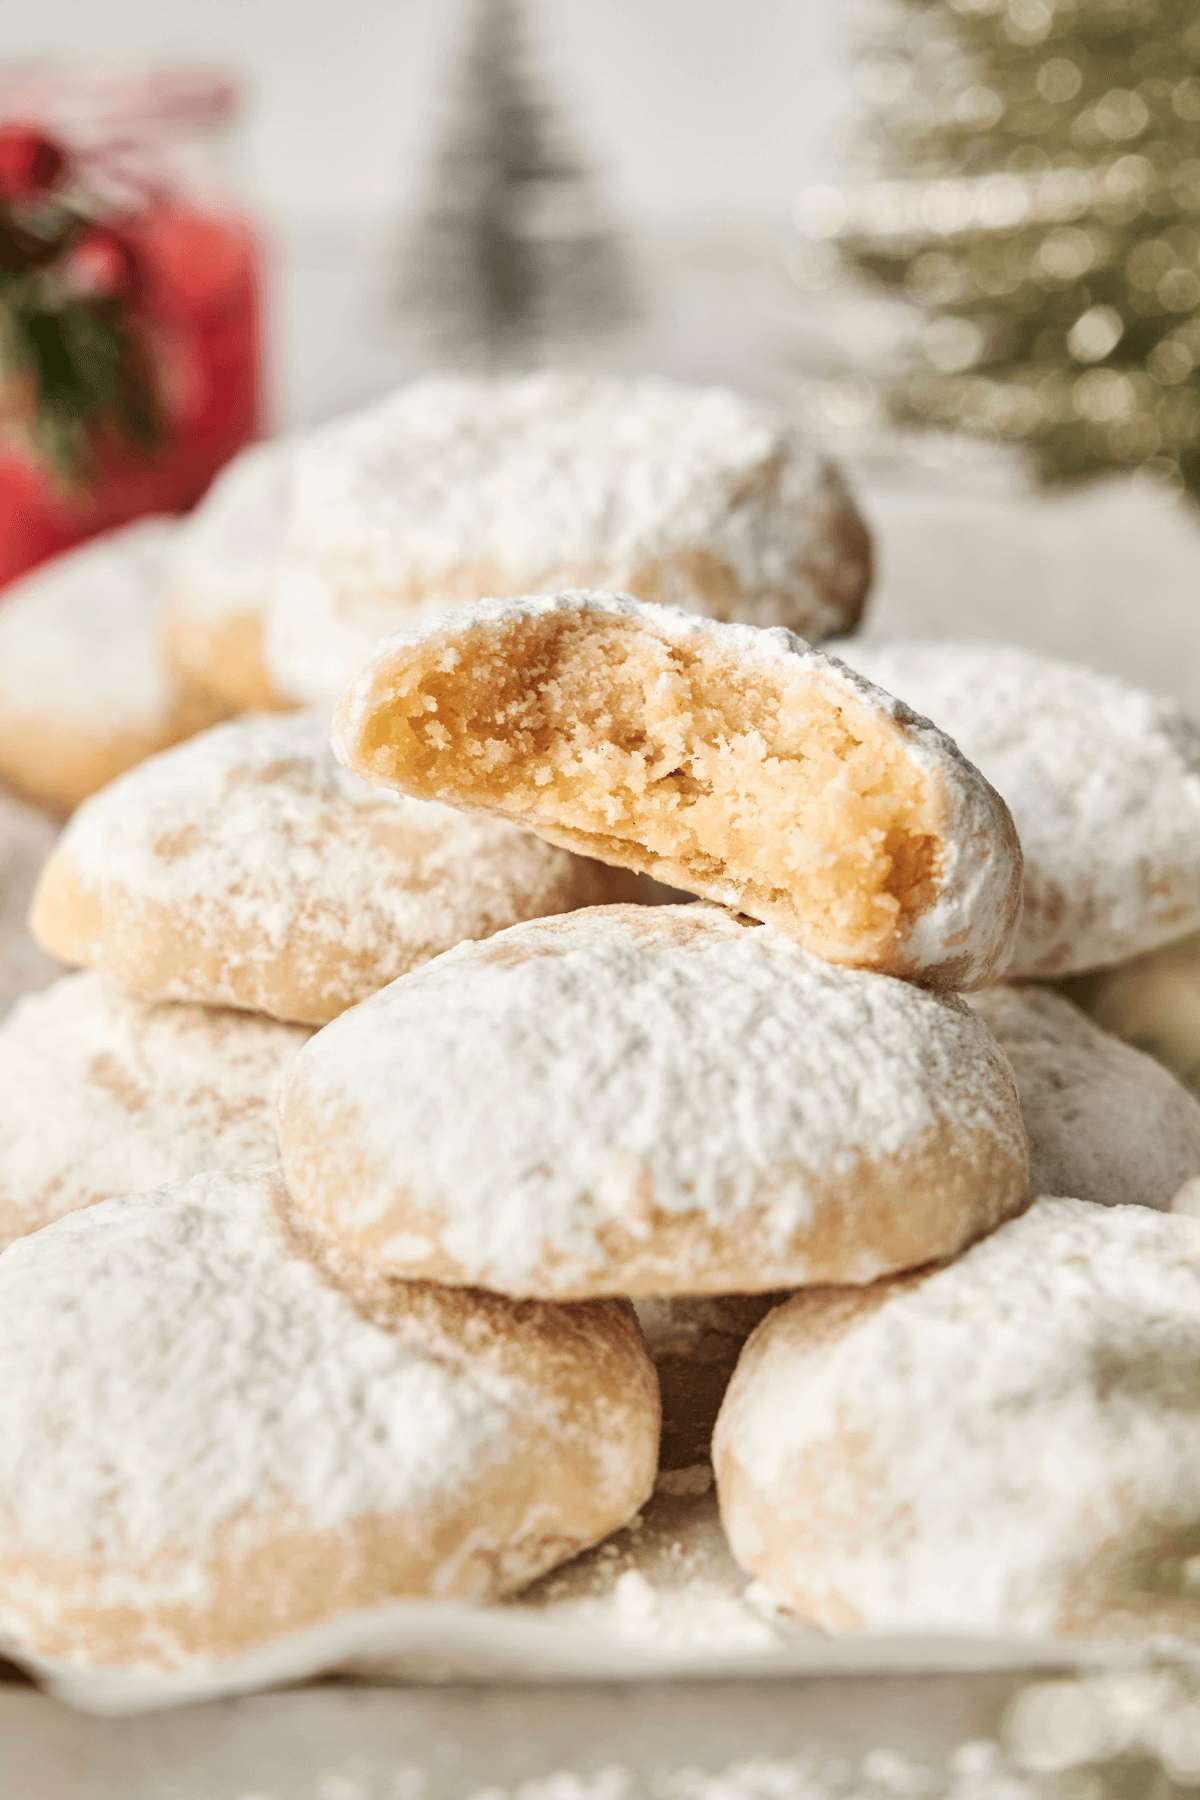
(681, 761)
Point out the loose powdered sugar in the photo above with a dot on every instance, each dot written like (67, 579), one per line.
(1103, 781)
(1007, 1443)
(453, 488)
(104, 1094)
(972, 1770)
(509, 1105)
(1104, 1122)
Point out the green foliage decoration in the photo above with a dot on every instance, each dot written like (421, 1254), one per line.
(1035, 192)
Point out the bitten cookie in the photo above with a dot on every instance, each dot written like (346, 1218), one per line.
(1004, 1445)
(1103, 781)
(207, 1444)
(1104, 1122)
(651, 1100)
(453, 489)
(223, 563)
(247, 868)
(26, 840)
(85, 689)
(103, 1094)
(727, 761)
(1152, 1001)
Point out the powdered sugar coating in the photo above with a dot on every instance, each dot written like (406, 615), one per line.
(223, 565)
(224, 552)
(1005, 1444)
(1103, 781)
(1153, 1002)
(248, 868)
(1104, 1122)
(650, 1100)
(79, 636)
(454, 488)
(26, 839)
(103, 1094)
(208, 1444)
(85, 688)
(959, 935)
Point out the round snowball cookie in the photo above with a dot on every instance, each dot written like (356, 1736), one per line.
(247, 868)
(103, 1094)
(208, 1444)
(453, 489)
(223, 565)
(1152, 1001)
(26, 838)
(85, 688)
(650, 1100)
(1004, 1445)
(721, 759)
(1187, 1200)
(1104, 1122)
(1103, 781)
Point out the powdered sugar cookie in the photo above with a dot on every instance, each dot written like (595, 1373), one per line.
(223, 564)
(1103, 781)
(1104, 1122)
(650, 1100)
(26, 839)
(724, 760)
(1187, 1199)
(247, 868)
(1007, 1444)
(453, 489)
(85, 690)
(103, 1094)
(208, 1444)
(1152, 1001)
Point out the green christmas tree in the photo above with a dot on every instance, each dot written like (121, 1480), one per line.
(513, 255)
(1036, 193)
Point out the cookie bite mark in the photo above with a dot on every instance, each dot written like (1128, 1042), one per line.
(729, 761)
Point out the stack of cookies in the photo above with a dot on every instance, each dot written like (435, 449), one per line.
(393, 1078)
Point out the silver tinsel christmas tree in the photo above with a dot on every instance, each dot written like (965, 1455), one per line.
(513, 257)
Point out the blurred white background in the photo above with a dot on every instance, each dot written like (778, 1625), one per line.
(703, 119)
(695, 108)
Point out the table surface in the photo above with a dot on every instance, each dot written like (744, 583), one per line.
(890, 1737)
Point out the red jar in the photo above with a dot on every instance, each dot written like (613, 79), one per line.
(159, 259)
